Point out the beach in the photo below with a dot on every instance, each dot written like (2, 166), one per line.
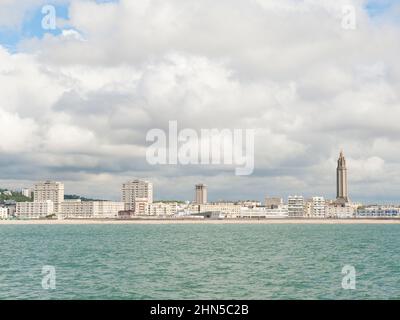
(200, 221)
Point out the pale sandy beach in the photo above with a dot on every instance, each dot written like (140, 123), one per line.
(196, 221)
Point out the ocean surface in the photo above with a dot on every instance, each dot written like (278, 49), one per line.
(193, 261)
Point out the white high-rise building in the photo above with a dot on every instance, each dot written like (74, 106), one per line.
(134, 190)
(49, 190)
(296, 206)
(201, 194)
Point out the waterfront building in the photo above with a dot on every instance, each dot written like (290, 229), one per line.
(141, 207)
(264, 212)
(201, 194)
(137, 191)
(163, 208)
(296, 206)
(228, 209)
(341, 180)
(340, 211)
(273, 202)
(90, 209)
(49, 191)
(34, 210)
(11, 207)
(3, 213)
(318, 207)
(377, 211)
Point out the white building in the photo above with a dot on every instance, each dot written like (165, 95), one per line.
(318, 207)
(49, 190)
(141, 207)
(201, 194)
(296, 206)
(91, 209)
(3, 213)
(378, 212)
(163, 209)
(26, 192)
(228, 209)
(137, 191)
(34, 210)
(265, 212)
(340, 211)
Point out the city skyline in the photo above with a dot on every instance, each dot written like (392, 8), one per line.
(76, 105)
(143, 189)
(201, 190)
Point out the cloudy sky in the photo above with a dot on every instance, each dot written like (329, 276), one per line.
(76, 102)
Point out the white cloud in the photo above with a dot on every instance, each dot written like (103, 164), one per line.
(285, 68)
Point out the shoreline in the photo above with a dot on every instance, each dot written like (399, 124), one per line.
(207, 221)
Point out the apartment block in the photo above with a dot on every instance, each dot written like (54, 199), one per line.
(136, 191)
(49, 190)
(34, 210)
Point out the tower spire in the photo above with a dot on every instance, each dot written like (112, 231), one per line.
(341, 180)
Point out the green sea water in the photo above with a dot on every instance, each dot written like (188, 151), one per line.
(194, 261)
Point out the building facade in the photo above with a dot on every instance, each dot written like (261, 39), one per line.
(265, 212)
(34, 210)
(91, 209)
(378, 212)
(3, 213)
(296, 206)
(318, 209)
(340, 211)
(49, 191)
(136, 191)
(163, 209)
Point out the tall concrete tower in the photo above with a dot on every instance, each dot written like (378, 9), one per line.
(341, 180)
(201, 194)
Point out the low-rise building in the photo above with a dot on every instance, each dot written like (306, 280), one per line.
(273, 202)
(141, 207)
(91, 209)
(3, 213)
(34, 210)
(249, 203)
(163, 208)
(228, 209)
(264, 212)
(378, 212)
(340, 211)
